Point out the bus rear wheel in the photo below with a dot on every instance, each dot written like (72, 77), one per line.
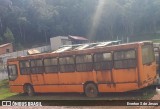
(29, 90)
(91, 90)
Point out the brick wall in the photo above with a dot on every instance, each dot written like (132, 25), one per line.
(6, 48)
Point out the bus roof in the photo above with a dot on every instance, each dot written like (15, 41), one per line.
(84, 51)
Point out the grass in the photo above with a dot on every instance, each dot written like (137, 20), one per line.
(4, 90)
(149, 93)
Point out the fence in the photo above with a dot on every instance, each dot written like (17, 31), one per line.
(4, 57)
(3, 74)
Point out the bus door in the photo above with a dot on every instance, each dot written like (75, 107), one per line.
(125, 66)
(103, 64)
(37, 72)
(148, 60)
(51, 71)
(13, 73)
(67, 73)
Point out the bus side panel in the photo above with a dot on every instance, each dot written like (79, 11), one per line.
(149, 72)
(21, 80)
(104, 76)
(58, 88)
(125, 75)
(17, 89)
(106, 88)
(51, 78)
(68, 78)
(126, 87)
(117, 87)
(87, 76)
(76, 78)
(17, 85)
(37, 79)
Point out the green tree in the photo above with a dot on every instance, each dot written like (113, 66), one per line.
(8, 36)
(1, 40)
(33, 21)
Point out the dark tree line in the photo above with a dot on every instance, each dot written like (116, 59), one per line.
(28, 22)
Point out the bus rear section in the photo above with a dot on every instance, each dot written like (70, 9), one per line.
(148, 73)
(133, 67)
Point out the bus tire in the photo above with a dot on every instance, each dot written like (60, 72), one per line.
(91, 90)
(29, 90)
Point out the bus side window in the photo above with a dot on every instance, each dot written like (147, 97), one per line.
(51, 65)
(84, 63)
(157, 57)
(125, 59)
(103, 61)
(37, 66)
(148, 54)
(67, 64)
(24, 67)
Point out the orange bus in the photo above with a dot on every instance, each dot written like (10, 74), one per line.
(116, 68)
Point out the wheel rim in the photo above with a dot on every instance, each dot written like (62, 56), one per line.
(29, 90)
(91, 92)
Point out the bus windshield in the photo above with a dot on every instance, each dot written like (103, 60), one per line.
(12, 72)
(147, 54)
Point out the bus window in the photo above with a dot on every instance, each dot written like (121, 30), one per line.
(67, 64)
(147, 54)
(84, 63)
(103, 61)
(156, 49)
(12, 72)
(125, 59)
(24, 67)
(157, 57)
(51, 65)
(37, 66)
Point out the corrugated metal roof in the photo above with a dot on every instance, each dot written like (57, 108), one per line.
(82, 47)
(78, 38)
(62, 49)
(104, 44)
(91, 45)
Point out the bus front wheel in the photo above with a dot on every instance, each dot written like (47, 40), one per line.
(29, 90)
(91, 90)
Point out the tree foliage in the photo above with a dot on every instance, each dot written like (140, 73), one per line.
(8, 36)
(35, 21)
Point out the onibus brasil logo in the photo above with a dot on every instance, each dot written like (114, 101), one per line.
(20, 103)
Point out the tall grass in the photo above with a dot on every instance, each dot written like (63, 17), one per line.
(4, 90)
